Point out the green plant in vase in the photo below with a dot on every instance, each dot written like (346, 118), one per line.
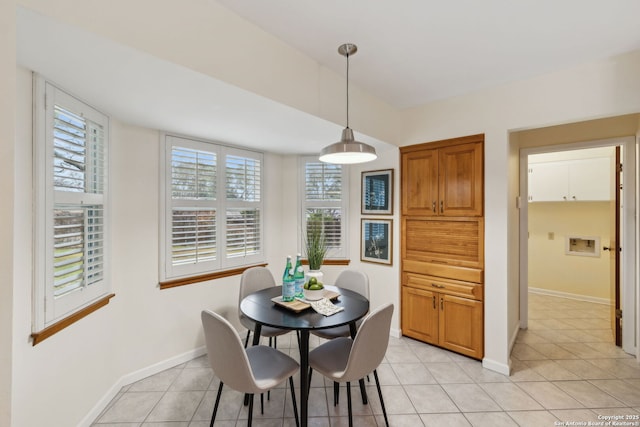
(316, 248)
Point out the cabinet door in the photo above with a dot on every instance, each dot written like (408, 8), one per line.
(420, 182)
(420, 314)
(590, 179)
(549, 182)
(460, 180)
(461, 325)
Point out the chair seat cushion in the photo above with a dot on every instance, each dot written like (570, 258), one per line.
(330, 359)
(331, 333)
(265, 331)
(270, 367)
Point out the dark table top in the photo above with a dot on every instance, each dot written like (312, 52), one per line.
(259, 307)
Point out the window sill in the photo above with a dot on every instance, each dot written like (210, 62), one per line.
(330, 262)
(168, 284)
(53, 329)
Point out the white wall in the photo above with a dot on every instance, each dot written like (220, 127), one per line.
(600, 89)
(384, 280)
(7, 193)
(218, 43)
(72, 372)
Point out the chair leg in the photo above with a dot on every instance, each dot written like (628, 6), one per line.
(349, 404)
(250, 410)
(262, 403)
(275, 345)
(293, 399)
(246, 340)
(384, 411)
(363, 391)
(336, 393)
(309, 381)
(215, 407)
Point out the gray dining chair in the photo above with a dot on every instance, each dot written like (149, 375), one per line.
(252, 280)
(345, 360)
(252, 370)
(353, 280)
(356, 281)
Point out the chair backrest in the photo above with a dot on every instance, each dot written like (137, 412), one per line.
(354, 280)
(370, 343)
(226, 354)
(254, 279)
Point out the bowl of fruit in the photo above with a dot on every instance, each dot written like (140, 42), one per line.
(313, 290)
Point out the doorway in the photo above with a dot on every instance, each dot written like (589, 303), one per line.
(580, 250)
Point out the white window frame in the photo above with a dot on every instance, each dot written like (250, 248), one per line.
(167, 270)
(47, 308)
(342, 204)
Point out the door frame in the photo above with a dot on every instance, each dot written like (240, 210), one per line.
(628, 241)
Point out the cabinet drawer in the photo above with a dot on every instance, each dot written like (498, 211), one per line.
(445, 286)
(451, 241)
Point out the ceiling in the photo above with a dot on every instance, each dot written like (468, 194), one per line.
(410, 52)
(415, 51)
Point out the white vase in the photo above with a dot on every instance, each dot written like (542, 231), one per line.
(314, 273)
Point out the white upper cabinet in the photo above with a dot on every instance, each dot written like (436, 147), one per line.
(571, 180)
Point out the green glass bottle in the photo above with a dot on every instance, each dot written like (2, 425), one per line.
(298, 277)
(288, 282)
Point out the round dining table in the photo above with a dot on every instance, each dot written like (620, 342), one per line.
(261, 308)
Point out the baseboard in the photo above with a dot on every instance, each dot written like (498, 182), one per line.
(568, 295)
(500, 368)
(137, 376)
(396, 333)
(514, 336)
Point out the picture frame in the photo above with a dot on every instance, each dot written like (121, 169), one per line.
(376, 240)
(377, 192)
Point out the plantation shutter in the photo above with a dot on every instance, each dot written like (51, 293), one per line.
(78, 217)
(212, 204)
(193, 217)
(243, 183)
(71, 187)
(324, 203)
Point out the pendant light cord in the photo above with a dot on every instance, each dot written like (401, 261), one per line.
(347, 89)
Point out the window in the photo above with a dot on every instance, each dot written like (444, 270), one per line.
(213, 208)
(325, 200)
(70, 164)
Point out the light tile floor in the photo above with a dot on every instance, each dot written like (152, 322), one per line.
(565, 370)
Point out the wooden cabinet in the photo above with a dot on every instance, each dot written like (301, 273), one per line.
(442, 244)
(441, 317)
(571, 180)
(443, 181)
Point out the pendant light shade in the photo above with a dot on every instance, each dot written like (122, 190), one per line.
(348, 150)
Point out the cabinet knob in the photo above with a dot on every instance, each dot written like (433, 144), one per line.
(441, 206)
(433, 206)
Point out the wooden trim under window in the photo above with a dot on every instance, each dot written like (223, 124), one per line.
(330, 262)
(42, 335)
(167, 284)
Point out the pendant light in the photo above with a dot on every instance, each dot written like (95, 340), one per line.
(348, 150)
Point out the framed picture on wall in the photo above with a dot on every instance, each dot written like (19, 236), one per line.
(376, 240)
(377, 192)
